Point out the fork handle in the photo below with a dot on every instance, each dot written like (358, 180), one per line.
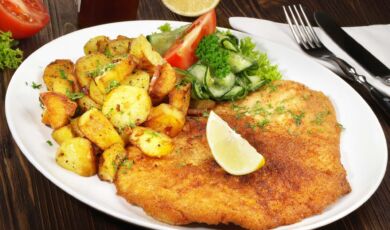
(382, 100)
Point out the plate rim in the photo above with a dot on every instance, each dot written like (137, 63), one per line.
(118, 215)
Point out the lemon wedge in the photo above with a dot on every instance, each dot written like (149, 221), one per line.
(232, 152)
(191, 8)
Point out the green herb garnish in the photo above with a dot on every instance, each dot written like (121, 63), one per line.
(49, 143)
(63, 75)
(74, 96)
(319, 119)
(10, 58)
(101, 70)
(35, 85)
(261, 124)
(113, 84)
(213, 55)
(298, 118)
(165, 27)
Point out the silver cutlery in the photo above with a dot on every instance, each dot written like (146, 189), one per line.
(309, 42)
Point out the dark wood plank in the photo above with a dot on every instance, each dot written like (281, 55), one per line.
(29, 201)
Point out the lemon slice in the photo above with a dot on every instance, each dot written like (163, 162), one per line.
(232, 152)
(191, 8)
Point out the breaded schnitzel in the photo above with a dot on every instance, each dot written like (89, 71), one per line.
(294, 128)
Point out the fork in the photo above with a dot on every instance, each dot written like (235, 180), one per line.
(309, 42)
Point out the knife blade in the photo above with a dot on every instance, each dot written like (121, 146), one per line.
(353, 48)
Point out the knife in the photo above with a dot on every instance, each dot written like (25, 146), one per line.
(353, 48)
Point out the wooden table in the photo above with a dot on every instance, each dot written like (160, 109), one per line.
(29, 201)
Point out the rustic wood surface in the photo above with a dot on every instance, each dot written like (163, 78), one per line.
(29, 201)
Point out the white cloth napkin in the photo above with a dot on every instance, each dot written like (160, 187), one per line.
(375, 38)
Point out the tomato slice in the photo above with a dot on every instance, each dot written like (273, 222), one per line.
(23, 18)
(182, 52)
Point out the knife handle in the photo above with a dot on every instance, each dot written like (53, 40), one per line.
(382, 100)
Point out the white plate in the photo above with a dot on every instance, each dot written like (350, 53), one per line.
(363, 144)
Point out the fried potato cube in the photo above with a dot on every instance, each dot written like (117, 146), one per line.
(166, 119)
(95, 93)
(58, 109)
(127, 106)
(76, 155)
(74, 125)
(110, 160)
(151, 142)
(86, 103)
(133, 152)
(96, 45)
(142, 49)
(140, 79)
(161, 84)
(114, 75)
(118, 47)
(90, 66)
(58, 76)
(61, 86)
(180, 97)
(98, 129)
(62, 134)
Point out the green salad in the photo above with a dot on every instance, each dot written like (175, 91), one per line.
(227, 69)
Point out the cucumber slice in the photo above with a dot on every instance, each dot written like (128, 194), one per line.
(255, 82)
(198, 71)
(235, 93)
(227, 44)
(242, 81)
(161, 42)
(198, 92)
(217, 87)
(238, 62)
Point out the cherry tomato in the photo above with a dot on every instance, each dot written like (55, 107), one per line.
(182, 52)
(23, 18)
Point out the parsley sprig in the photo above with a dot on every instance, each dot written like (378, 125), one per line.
(74, 96)
(213, 55)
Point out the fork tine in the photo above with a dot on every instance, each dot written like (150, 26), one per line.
(308, 36)
(300, 33)
(311, 30)
(291, 26)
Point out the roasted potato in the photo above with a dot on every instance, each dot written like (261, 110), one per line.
(58, 109)
(90, 66)
(125, 134)
(118, 47)
(95, 93)
(142, 49)
(114, 74)
(127, 106)
(133, 152)
(76, 154)
(151, 142)
(96, 45)
(62, 134)
(110, 160)
(98, 129)
(86, 103)
(166, 119)
(74, 125)
(162, 83)
(58, 76)
(140, 79)
(180, 97)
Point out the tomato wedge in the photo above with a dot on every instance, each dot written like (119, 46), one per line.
(23, 18)
(182, 52)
